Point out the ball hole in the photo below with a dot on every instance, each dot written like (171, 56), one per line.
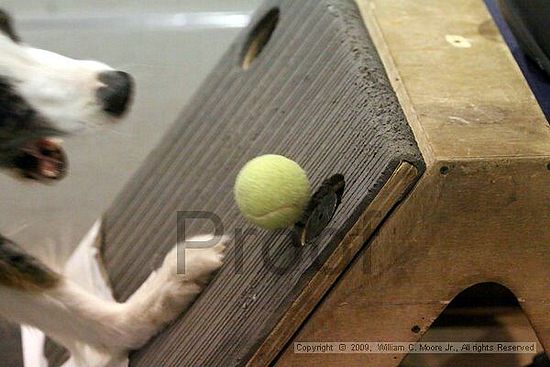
(260, 36)
(415, 329)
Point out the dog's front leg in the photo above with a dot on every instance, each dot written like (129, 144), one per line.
(73, 317)
(172, 288)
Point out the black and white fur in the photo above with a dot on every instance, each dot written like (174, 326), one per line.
(44, 95)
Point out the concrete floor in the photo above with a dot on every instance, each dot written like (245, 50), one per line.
(169, 46)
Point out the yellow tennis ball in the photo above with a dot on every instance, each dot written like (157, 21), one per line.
(272, 191)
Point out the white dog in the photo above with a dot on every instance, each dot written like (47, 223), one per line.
(43, 95)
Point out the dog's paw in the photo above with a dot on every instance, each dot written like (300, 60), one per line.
(182, 277)
(171, 289)
(193, 264)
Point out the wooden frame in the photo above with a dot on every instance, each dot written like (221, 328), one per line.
(481, 211)
(388, 197)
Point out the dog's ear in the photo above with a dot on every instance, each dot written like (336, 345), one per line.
(6, 26)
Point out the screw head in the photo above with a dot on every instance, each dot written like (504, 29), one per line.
(444, 170)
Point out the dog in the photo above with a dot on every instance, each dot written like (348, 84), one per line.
(44, 96)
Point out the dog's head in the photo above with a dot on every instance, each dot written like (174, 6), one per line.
(44, 95)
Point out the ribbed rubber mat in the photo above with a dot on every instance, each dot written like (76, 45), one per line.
(318, 94)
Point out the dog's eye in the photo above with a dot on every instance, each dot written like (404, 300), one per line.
(6, 26)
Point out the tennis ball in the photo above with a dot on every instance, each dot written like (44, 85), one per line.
(272, 191)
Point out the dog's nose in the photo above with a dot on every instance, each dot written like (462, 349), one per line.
(116, 92)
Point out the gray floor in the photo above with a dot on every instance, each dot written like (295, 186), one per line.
(168, 46)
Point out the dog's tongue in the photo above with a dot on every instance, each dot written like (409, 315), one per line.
(42, 159)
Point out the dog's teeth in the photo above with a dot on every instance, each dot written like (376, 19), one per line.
(49, 173)
(49, 170)
(56, 140)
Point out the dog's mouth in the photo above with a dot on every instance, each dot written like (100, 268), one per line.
(42, 159)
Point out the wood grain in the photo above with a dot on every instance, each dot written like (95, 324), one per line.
(461, 102)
